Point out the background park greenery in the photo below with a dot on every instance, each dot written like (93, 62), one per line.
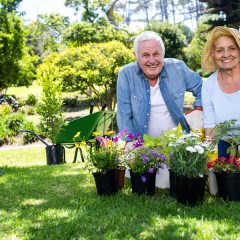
(88, 53)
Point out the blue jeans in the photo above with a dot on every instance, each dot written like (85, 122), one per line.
(222, 149)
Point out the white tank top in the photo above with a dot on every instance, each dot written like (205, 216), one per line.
(160, 118)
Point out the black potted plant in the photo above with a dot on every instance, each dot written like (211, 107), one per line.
(103, 162)
(144, 159)
(188, 161)
(50, 111)
(227, 169)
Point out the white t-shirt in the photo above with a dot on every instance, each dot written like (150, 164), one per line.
(160, 118)
(217, 105)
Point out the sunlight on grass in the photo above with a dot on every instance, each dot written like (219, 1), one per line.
(61, 202)
(33, 202)
(23, 92)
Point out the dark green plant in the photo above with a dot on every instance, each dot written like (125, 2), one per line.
(172, 36)
(28, 137)
(50, 107)
(226, 131)
(31, 100)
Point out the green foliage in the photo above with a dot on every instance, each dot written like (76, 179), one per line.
(189, 154)
(31, 100)
(92, 69)
(106, 153)
(5, 110)
(45, 34)
(50, 108)
(10, 124)
(79, 34)
(226, 130)
(28, 137)
(172, 36)
(91, 9)
(27, 69)
(9, 5)
(11, 47)
(194, 50)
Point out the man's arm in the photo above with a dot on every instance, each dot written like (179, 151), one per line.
(193, 84)
(124, 108)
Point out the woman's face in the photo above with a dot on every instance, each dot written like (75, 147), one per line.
(226, 53)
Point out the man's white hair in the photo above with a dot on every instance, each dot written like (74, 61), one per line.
(147, 35)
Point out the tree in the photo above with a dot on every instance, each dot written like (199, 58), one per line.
(78, 34)
(45, 34)
(194, 50)
(92, 9)
(92, 69)
(9, 5)
(173, 38)
(11, 47)
(227, 10)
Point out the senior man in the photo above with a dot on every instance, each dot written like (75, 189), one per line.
(150, 91)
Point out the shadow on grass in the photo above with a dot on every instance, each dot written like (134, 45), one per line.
(60, 202)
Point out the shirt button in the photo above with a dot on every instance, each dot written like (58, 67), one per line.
(147, 90)
(147, 114)
(145, 126)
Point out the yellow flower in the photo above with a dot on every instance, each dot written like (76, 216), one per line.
(77, 135)
(109, 133)
(81, 144)
(212, 156)
(96, 134)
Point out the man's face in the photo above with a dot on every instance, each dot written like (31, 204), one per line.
(150, 58)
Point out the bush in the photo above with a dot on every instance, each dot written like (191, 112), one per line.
(70, 102)
(11, 100)
(31, 100)
(5, 110)
(28, 137)
(30, 110)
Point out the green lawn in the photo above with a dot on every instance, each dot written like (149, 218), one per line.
(60, 202)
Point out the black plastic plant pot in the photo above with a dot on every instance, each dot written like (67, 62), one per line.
(106, 182)
(190, 190)
(228, 186)
(172, 181)
(143, 183)
(55, 154)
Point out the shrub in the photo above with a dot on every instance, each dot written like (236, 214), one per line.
(70, 102)
(28, 137)
(5, 110)
(31, 100)
(11, 100)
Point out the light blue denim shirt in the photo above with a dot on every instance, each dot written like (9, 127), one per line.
(133, 94)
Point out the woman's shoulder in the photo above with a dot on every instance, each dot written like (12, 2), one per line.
(211, 81)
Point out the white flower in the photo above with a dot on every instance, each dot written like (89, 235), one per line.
(199, 149)
(191, 149)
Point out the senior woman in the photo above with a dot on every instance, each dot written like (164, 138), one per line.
(221, 91)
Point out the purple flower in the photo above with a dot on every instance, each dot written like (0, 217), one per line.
(144, 158)
(130, 136)
(99, 139)
(138, 135)
(144, 179)
(115, 139)
(151, 170)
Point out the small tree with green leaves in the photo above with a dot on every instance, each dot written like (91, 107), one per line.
(50, 108)
(92, 69)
